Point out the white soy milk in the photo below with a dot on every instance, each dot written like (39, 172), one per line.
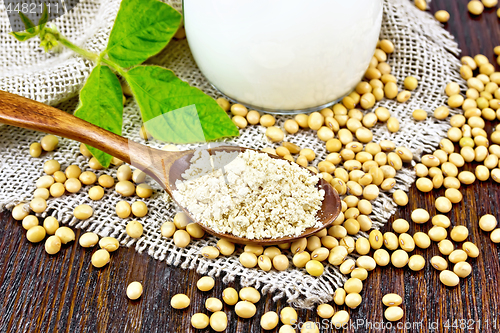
(283, 54)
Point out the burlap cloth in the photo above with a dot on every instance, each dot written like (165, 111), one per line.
(422, 49)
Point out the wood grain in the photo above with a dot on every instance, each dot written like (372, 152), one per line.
(64, 293)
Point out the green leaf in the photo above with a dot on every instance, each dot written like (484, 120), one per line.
(142, 29)
(173, 111)
(101, 104)
(22, 36)
(30, 26)
(44, 18)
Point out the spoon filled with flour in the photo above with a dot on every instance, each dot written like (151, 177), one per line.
(233, 192)
(252, 197)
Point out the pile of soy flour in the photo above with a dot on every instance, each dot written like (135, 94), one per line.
(423, 49)
(251, 195)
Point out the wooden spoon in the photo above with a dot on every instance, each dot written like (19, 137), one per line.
(164, 166)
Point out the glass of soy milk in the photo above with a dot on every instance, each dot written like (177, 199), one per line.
(283, 56)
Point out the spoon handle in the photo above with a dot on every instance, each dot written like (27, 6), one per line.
(23, 112)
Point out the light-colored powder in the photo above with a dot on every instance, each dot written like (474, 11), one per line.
(250, 194)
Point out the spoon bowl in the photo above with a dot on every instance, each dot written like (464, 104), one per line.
(166, 167)
(329, 211)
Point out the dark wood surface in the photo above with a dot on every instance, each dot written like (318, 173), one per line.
(64, 293)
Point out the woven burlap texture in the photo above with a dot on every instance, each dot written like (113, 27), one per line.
(422, 49)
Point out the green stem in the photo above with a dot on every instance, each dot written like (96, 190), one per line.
(113, 65)
(84, 53)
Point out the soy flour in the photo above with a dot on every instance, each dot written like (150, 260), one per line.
(250, 194)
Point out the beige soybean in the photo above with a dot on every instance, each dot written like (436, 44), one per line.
(281, 262)
(87, 178)
(181, 238)
(437, 233)
(339, 296)
(366, 262)
(88, 239)
(393, 313)
(419, 215)
(441, 221)
(65, 234)
(230, 296)
(391, 241)
(245, 309)
(424, 184)
(416, 262)
(52, 245)
(487, 222)
(376, 239)
(443, 204)
(134, 229)
(180, 301)
(83, 212)
(123, 209)
(457, 256)
(448, 278)
(167, 229)
(223, 103)
(213, 304)
(35, 149)
(194, 230)
(362, 246)
(267, 120)
(36, 234)
(353, 300)
(406, 242)
(422, 240)
(392, 300)
(253, 118)
(248, 259)
(41, 193)
(325, 311)
(471, 249)
(459, 233)
(143, 190)
(439, 263)
(134, 290)
(125, 188)
(205, 283)
(210, 252)
(31, 221)
(360, 273)
(265, 263)
(225, 247)
(110, 244)
(340, 319)
(49, 142)
(446, 247)
(269, 320)
(382, 257)
(462, 269)
(399, 258)
(337, 255)
(301, 259)
(139, 209)
(100, 258)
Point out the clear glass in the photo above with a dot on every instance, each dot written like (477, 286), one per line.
(283, 56)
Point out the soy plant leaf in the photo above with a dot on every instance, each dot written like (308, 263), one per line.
(173, 111)
(22, 36)
(101, 103)
(30, 26)
(142, 29)
(44, 18)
